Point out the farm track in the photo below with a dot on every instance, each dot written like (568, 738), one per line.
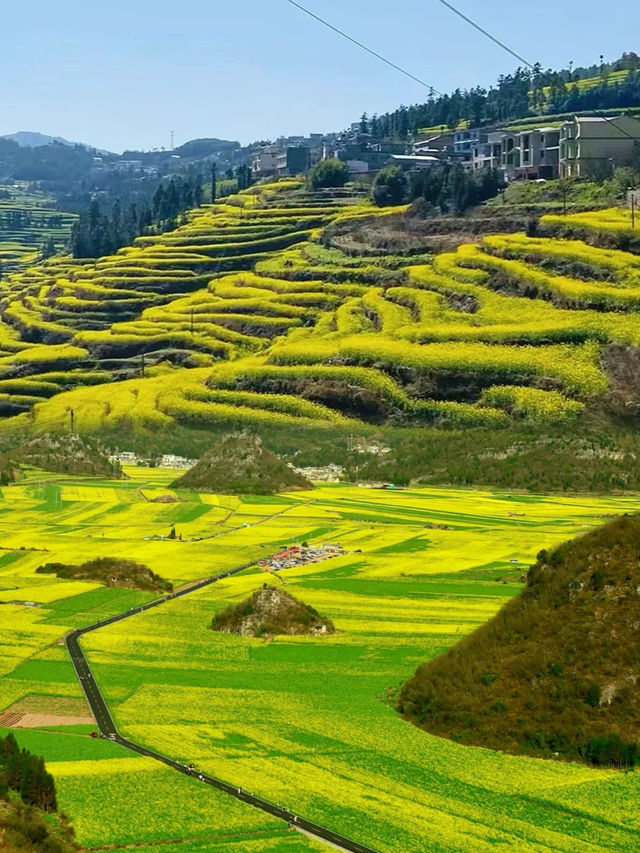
(108, 728)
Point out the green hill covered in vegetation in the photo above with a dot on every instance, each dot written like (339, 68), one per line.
(111, 571)
(238, 463)
(58, 453)
(555, 672)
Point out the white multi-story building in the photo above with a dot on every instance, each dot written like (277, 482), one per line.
(591, 146)
(265, 161)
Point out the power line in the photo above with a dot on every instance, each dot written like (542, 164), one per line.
(432, 89)
(486, 33)
(506, 47)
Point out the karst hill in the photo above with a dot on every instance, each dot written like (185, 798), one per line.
(238, 463)
(271, 611)
(556, 671)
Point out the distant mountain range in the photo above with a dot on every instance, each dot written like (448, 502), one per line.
(32, 139)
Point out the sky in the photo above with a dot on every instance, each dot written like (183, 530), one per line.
(124, 74)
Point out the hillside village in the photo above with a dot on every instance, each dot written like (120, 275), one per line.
(579, 147)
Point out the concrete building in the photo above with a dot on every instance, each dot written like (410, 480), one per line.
(293, 160)
(531, 154)
(265, 161)
(486, 151)
(464, 142)
(591, 146)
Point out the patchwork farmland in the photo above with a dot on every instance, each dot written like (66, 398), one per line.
(306, 722)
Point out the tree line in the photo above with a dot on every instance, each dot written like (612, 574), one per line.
(98, 232)
(26, 774)
(447, 190)
(517, 95)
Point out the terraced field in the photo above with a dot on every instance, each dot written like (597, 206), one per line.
(306, 722)
(28, 219)
(248, 313)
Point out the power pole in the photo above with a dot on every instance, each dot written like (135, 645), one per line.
(71, 417)
(172, 139)
(142, 365)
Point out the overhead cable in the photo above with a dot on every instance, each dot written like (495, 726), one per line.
(432, 89)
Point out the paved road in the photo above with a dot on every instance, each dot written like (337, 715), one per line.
(108, 728)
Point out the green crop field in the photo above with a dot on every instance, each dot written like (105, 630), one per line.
(28, 219)
(306, 722)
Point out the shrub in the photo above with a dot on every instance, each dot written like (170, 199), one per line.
(390, 187)
(328, 173)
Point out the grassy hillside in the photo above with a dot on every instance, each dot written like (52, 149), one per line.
(554, 672)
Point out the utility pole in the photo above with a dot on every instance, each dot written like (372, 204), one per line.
(71, 417)
(142, 365)
(172, 139)
(633, 209)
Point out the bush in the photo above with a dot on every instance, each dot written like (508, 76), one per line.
(390, 187)
(611, 750)
(328, 173)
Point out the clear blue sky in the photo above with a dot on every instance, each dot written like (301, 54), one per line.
(124, 74)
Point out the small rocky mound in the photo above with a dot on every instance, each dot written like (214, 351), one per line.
(112, 572)
(239, 464)
(271, 611)
(556, 672)
(58, 453)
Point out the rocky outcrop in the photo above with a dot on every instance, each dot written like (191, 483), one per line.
(271, 611)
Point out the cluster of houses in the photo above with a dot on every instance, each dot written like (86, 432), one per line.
(168, 460)
(298, 555)
(293, 155)
(322, 474)
(580, 147)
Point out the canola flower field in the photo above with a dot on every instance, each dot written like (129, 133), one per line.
(306, 722)
(248, 313)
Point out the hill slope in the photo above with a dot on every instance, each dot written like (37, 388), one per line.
(59, 453)
(556, 671)
(111, 571)
(239, 463)
(271, 611)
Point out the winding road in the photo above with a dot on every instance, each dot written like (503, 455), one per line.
(108, 728)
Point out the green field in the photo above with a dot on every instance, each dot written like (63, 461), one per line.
(306, 722)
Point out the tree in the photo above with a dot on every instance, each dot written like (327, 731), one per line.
(214, 183)
(328, 173)
(390, 187)
(48, 249)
